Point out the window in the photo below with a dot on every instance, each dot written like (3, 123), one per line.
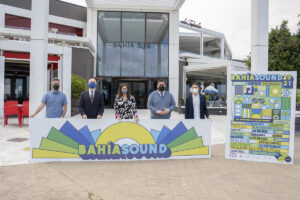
(109, 34)
(133, 44)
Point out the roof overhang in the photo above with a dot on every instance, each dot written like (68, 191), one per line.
(205, 31)
(136, 4)
(203, 64)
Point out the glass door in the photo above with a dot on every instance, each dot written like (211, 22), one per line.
(137, 88)
(139, 92)
(7, 89)
(15, 87)
(19, 88)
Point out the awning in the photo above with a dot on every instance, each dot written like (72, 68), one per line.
(26, 56)
(52, 59)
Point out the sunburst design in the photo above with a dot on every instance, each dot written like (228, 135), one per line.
(64, 143)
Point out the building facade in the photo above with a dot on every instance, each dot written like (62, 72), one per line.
(136, 42)
(133, 42)
(206, 58)
(69, 50)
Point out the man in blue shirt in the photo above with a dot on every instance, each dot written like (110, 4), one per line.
(160, 102)
(55, 102)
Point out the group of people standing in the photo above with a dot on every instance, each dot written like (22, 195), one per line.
(91, 104)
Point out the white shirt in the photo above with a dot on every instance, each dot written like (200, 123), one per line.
(161, 93)
(196, 105)
(90, 91)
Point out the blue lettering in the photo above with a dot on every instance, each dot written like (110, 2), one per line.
(143, 148)
(134, 149)
(125, 149)
(152, 148)
(162, 148)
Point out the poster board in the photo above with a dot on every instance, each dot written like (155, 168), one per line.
(261, 116)
(107, 140)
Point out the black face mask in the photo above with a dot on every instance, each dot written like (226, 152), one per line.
(161, 88)
(55, 87)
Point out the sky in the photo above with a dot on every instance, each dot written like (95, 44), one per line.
(233, 18)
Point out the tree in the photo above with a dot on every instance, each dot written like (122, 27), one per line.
(78, 86)
(284, 50)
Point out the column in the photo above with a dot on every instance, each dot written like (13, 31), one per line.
(2, 17)
(94, 34)
(259, 35)
(2, 78)
(38, 53)
(67, 76)
(89, 26)
(174, 55)
(60, 69)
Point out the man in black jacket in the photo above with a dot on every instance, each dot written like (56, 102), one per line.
(195, 106)
(91, 105)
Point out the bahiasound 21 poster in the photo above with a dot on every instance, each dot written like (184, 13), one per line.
(261, 116)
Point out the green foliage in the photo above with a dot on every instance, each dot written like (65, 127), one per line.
(298, 96)
(284, 50)
(248, 60)
(181, 102)
(78, 86)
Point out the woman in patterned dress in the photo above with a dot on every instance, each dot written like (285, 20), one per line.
(125, 105)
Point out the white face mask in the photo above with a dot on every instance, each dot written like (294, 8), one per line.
(195, 90)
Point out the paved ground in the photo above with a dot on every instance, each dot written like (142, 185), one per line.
(14, 153)
(214, 178)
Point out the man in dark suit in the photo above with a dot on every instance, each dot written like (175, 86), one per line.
(195, 106)
(91, 105)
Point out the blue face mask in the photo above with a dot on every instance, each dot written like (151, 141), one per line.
(92, 85)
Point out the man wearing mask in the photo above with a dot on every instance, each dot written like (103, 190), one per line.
(91, 103)
(195, 106)
(160, 102)
(55, 102)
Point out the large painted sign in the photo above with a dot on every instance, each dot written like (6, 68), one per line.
(261, 116)
(85, 140)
